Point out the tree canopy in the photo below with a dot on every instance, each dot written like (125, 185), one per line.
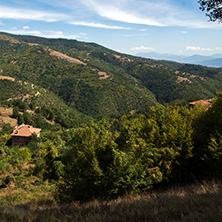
(213, 8)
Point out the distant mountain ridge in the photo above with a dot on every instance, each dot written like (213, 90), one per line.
(211, 61)
(96, 81)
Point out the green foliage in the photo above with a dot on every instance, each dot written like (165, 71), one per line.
(8, 88)
(13, 156)
(131, 154)
(207, 139)
(132, 83)
(27, 118)
(20, 104)
(23, 154)
(40, 167)
(108, 159)
(20, 119)
(15, 112)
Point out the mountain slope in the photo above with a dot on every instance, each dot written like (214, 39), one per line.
(80, 86)
(100, 82)
(16, 90)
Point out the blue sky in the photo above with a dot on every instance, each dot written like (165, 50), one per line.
(128, 26)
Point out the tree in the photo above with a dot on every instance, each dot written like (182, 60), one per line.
(27, 118)
(15, 112)
(20, 119)
(213, 8)
(207, 138)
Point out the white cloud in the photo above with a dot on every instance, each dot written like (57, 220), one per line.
(198, 49)
(147, 12)
(123, 11)
(61, 34)
(144, 12)
(23, 32)
(142, 48)
(48, 34)
(26, 27)
(204, 50)
(15, 13)
(98, 25)
(218, 48)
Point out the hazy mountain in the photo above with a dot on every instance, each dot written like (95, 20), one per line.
(214, 60)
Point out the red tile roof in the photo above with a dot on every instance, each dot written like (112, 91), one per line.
(25, 131)
(202, 103)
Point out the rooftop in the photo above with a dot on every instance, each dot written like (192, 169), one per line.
(25, 130)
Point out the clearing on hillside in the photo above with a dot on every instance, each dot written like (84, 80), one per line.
(5, 114)
(63, 56)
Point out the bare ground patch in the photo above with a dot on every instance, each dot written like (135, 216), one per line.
(196, 76)
(5, 114)
(32, 44)
(103, 75)
(7, 78)
(181, 79)
(63, 56)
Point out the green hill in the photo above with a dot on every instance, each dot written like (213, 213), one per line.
(100, 82)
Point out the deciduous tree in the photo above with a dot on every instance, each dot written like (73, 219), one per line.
(213, 8)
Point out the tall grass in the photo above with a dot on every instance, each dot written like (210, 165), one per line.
(198, 202)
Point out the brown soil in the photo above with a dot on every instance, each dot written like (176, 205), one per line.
(8, 38)
(103, 75)
(181, 79)
(32, 44)
(63, 56)
(5, 114)
(7, 78)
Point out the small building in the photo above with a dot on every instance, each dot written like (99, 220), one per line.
(206, 104)
(21, 135)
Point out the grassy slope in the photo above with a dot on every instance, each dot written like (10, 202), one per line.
(198, 202)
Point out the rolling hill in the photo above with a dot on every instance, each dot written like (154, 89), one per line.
(96, 81)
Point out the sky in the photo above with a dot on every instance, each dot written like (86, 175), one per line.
(127, 26)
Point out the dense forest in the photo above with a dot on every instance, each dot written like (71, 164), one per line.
(99, 82)
(111, 157)
(111, 124)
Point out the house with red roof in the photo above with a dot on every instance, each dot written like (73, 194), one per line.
(21, 135)
(206, 104)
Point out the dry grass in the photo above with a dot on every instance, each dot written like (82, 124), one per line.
(7, 78)
(63, 56)
(103, 75)
(5, 114)
(199, 202)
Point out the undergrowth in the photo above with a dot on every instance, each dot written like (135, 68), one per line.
(198, 202)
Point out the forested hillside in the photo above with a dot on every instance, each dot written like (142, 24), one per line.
(99, 82)
(111, 124)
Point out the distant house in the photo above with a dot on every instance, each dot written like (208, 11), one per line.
(21, 135)
(206, 104)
